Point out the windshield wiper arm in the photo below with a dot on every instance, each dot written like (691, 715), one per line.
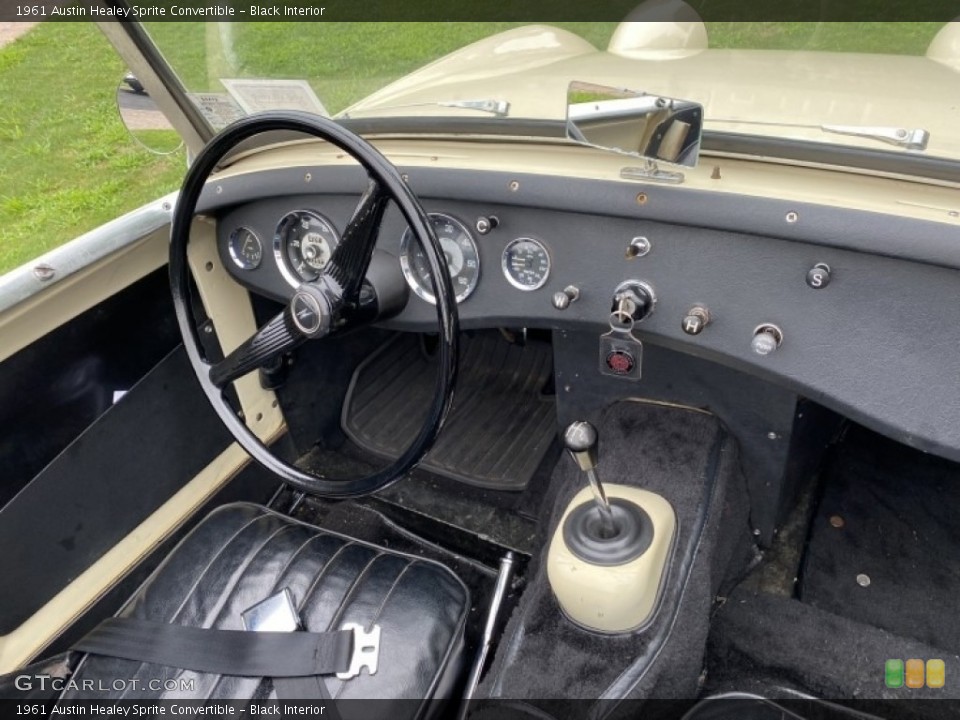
(911, 139)
(908, 138)
(500, 108)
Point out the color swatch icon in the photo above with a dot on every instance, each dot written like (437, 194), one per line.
(893, 673)
(913, 673)
(936, 674)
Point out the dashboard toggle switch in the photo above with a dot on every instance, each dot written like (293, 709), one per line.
(818, 277)
(696, 319)
(766, 339)
(562, 300)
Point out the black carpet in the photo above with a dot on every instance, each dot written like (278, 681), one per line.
(771, 644)
(899, 511)
(687, 457)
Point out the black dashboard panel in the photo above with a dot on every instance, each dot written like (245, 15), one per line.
(878, 343)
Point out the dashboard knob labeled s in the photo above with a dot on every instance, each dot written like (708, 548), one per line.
(818, 277)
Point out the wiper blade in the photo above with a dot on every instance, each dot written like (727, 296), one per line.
(500, 108)
(907, 138)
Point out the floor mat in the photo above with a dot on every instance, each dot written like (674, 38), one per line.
(499, 428)
(885, 544)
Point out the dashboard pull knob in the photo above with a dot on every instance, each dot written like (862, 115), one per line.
(696, 319)
(486, 223)
(818, 277)
(766, 339)
(562, 300)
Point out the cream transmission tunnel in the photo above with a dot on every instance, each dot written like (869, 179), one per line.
(607, 559)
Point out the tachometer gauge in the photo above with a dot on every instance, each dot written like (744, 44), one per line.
(303, 245)
(245, 248)
(460, 252)
(526, 264)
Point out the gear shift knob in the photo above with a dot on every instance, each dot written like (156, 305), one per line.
(580, 440)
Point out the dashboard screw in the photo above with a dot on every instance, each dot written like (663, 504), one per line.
(514, 186)
(863, 580)
(837, 521)
(791, 217)
(641, 198)
(308, 177)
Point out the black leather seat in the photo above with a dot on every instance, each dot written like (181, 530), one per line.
(241, 554)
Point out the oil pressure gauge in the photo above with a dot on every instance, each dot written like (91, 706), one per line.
(526, 264)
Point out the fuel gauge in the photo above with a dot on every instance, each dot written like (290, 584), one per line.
(245, 247)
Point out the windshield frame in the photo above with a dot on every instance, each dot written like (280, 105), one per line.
(138, 50)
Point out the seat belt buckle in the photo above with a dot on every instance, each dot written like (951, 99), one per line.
(366, 650)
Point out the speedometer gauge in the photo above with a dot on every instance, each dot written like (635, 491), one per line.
(459, 250)
(303, 245)
(526, 264)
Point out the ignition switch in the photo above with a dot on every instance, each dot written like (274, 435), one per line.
(633, 301)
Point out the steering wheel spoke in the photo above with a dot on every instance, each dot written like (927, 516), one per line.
(350, 260)
(278, 336)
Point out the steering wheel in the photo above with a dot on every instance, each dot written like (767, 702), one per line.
(328, 305)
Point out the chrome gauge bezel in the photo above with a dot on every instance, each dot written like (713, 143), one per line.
(289, 274)
(505, 266)
(240, 260)
(411, 275)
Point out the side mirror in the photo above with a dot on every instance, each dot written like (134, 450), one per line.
(143, 118)
(652, 127)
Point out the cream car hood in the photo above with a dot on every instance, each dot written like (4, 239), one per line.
(531, 67)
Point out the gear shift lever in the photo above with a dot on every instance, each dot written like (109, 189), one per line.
(580, 440)
(608, 558)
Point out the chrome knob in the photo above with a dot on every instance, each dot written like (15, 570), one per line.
(580, 440)
(766, 339)
(562, 300)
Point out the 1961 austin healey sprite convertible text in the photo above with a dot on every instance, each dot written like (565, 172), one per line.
(548, 378)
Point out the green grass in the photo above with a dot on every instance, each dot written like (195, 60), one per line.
(67, 164)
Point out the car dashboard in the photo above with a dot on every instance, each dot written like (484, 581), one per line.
(844, 306)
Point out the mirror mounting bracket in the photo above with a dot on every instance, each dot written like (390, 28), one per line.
(651, 171)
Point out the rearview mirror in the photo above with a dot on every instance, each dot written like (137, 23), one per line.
(146, 123)
(653, 127)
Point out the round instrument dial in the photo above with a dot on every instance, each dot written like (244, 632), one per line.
(303, 245)
(526, 264)
(245, 248)
(459, 249)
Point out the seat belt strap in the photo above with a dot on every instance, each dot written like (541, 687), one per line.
(227, 652)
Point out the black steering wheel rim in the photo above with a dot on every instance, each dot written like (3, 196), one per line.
(380, 170)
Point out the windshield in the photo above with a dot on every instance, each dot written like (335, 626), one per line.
(882, 86)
